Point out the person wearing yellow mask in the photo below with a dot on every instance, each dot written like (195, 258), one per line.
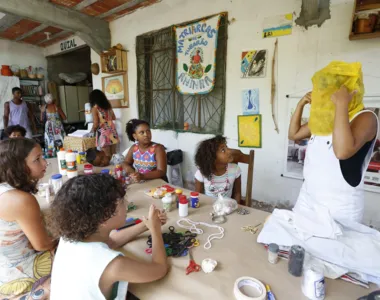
(342, 138)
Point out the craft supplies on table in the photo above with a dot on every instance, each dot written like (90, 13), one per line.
(242, 211)
(193, 266)
(313, 284)
(269, 292)
(56, 182)
(118, 171)
(167, 202)
(88, 169)
(160, 192)
(194, 198)
(176, 243)
(296, 259)
(62, 167)
(192, 227)
(178, 193)
(273, 250)
(208, 265)
(249, 288)
(183, 208)
(251, 229)
(71, 163)
(105, 171)
(129, 222)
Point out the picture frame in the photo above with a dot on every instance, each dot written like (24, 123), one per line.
(115, 87)
(250, 131)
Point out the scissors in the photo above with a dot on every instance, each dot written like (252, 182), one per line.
(194, 243)
(193, 266)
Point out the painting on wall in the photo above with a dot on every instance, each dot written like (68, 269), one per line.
(250, 102)
(280, 25)
(253, 63)
(115, 87)
(249, 131)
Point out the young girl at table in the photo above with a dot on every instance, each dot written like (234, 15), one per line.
(86, 265)
(216, 173)
(145, 159)
(24, 271)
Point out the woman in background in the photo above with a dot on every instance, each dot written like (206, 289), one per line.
(104, 128)
(53, 116)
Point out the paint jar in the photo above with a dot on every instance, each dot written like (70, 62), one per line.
(77, 157)
(296, 259)
(105, 171)
(167, 201)
(56, 182)
(88, 169)
(273, 250)
(82, 156)
(194, 198)
(183, 209)
(178, 193)
(71, 161)
(62, 162)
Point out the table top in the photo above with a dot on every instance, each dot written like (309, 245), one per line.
(238, 254)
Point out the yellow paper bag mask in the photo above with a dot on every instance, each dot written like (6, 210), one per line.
(325, 83)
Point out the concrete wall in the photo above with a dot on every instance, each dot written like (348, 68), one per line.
(23, 55)
(300, 55)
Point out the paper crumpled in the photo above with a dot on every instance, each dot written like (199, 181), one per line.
(325, 83)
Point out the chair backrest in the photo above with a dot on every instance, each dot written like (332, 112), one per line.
(249, 159)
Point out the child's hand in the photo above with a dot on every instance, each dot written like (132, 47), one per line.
(153, 222)
(306, 99)
(163, 217)
(342, 96)
(136, 177)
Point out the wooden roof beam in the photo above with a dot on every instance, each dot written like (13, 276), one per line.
(93, 31)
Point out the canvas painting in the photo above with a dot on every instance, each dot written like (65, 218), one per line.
(280, 25)
(115, 88)
(249, 131)
(250, 102)
(253, 63)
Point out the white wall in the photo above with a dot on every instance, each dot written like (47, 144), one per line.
(300, 55)
(23, 55)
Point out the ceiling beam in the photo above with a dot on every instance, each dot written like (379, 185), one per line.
(8, 21)
(120, 8)
(29, 33)
(84, 4)
(94, 32)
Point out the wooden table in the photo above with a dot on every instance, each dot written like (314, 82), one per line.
(238, 254)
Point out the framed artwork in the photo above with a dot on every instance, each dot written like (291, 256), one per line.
(250, 102)
(249, 131)
(280, 25)
(253, 63)
(115, 87)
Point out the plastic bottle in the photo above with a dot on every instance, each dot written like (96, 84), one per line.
(88, 169)
(56, 181)
(178, 193)
(71, 162)
(183, 208)
(273, 250)
(296, 259)
(167, 202)
(62, 166)
(194, 197)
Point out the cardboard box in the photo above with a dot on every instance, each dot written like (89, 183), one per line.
(78, 144)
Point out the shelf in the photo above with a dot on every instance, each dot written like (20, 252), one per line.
(364, 36)
(32, 79)
(368, 7)
(32, 96)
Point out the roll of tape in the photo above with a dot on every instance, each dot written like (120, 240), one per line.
(248, 288)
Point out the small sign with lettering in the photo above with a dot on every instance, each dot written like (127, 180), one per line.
(67, 45)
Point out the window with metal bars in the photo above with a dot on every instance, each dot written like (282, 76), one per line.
(159, 101)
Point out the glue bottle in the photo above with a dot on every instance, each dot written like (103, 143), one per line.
(62, 162)
(183, 207)
(71, 162)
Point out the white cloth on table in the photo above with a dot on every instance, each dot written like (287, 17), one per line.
(356, 249)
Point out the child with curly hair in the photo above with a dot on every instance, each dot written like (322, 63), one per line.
(22, 230)
(216, 173)
(15, 131)
(85, 213)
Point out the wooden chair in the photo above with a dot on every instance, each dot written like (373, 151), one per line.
(240, 157)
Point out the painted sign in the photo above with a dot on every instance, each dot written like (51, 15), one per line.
(196, 56)
(278, 25)
(250, 102)
(67, 45)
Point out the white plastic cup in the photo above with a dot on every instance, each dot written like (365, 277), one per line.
(313, 284)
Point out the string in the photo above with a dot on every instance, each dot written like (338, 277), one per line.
(192, 227)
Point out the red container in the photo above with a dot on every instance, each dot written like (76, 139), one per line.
(6, 70)
(88, 169)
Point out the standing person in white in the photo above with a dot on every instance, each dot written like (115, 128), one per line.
(335, 163)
